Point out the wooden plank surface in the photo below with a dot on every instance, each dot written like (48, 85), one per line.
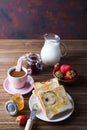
(11, 50)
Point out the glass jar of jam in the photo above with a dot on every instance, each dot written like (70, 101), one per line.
(34, 62)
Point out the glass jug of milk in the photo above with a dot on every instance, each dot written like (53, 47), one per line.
(51, 51)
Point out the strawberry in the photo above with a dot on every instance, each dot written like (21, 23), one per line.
(21, 120)
(58, 74)
(64, 68)
(56, 66)
(70, 74)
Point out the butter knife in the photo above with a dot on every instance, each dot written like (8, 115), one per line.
(29, 123)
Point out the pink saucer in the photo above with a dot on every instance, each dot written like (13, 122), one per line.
(26, 89)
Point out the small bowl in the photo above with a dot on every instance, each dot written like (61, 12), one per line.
(66, 81)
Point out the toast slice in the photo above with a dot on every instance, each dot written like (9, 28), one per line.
(49, 84)
(52, 98)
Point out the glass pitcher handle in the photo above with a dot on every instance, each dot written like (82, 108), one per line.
(64, 48)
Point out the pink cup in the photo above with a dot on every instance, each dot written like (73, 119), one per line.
(17, 82)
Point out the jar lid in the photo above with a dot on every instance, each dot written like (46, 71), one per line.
(11, 107)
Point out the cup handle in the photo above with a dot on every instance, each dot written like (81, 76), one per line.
(64, 48)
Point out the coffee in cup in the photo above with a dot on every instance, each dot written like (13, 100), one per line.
(15, 73)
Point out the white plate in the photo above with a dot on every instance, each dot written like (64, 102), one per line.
(26, 89)
(33, 99)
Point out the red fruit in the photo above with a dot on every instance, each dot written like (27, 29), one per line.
(64, 68)
(56, 67)
(21, 120)
(58, 74)
(70, 74)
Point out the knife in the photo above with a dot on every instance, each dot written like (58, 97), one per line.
(29, 123)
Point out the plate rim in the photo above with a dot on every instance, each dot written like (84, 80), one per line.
(53, 120)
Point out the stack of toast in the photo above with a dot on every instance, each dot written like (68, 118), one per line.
(52, 97)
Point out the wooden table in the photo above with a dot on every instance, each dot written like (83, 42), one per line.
(11, 50)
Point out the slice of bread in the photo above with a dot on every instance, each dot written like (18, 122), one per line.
(52, 98)
(49, 84)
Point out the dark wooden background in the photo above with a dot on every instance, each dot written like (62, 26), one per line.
(27, 19)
